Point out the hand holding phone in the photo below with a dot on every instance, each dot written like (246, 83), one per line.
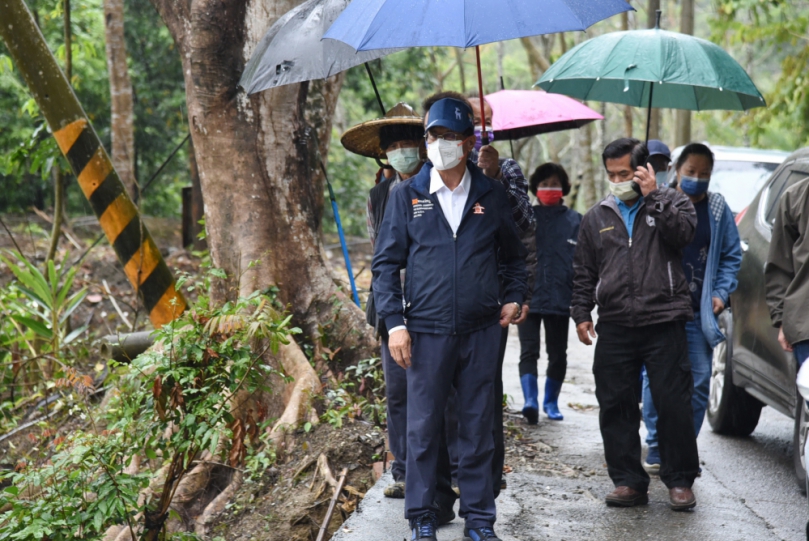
(644, 182)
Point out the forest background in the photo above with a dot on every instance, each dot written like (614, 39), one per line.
(769, 39)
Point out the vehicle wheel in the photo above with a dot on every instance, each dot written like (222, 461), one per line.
(731, 411)
(799, 442)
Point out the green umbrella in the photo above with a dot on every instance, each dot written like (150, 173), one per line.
(653, 68)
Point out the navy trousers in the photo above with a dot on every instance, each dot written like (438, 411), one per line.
(396, 392)
(469, 361)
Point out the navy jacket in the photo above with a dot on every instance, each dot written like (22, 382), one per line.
(453, 282)
(557, 231)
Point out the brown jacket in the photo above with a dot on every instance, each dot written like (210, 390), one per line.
(787, 269)
(638, 281)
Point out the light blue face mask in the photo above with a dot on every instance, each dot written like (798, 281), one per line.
(661, 177)
(694, 186)
(404, 160)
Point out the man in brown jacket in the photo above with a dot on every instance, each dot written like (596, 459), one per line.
(629, 262)
(787, 271)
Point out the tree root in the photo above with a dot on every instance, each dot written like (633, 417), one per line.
(198, 499)
(298, 395)
(217, 505)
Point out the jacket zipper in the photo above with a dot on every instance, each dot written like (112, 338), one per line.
(455, 281)
(671, 280)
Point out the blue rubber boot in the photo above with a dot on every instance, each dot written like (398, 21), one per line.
(550, 405)
(530, 392)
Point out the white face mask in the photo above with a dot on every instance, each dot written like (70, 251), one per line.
(445, 154)
(622, 190)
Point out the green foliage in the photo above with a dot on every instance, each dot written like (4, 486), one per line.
(48, 301)
(28, 150)
(777, 31)
(359, 395)
(170, 404)
(78, 494)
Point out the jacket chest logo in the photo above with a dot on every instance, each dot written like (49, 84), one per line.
(420, 206)
(650, 221)
(478, 209)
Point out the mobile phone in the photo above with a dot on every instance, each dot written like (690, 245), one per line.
(635, 185)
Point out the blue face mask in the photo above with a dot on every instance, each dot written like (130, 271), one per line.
(694, 186)
(478, 142)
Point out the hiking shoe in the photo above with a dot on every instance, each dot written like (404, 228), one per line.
(424, 527)
(444, 516)
(682, 499)
(396, 490)
(480, 534)
(652, 462)
(626, 497)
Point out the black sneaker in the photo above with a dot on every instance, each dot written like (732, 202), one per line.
(424, 527)
(480, 534)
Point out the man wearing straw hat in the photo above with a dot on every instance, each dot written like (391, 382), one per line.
(399, 138)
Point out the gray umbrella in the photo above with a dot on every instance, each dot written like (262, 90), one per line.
(292, 50)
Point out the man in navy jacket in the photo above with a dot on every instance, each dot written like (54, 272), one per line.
(451, 228)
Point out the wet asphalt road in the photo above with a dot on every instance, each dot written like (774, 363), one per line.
(747, 490)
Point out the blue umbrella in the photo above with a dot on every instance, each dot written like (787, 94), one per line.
(381, 24)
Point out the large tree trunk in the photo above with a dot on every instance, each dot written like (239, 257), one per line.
(258, 167)
(123, 136)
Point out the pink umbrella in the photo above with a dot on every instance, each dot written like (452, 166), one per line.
(523, 113)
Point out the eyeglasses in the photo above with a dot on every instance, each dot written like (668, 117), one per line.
(449, 136)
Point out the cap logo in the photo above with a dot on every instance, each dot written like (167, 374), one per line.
(458, 115)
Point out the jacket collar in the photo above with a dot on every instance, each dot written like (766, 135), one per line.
(479, 184)
(609, 202)
(436, 182)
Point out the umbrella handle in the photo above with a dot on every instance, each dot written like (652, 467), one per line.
(376, 91)
(649, 114)
(343, 243)
(484, 134)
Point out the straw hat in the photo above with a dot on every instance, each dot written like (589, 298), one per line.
(363, 139)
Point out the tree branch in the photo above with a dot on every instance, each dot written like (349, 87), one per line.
(174, 13)
(536, 59)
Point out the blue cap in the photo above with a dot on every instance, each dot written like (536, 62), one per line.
(452, 114)
(658, 148)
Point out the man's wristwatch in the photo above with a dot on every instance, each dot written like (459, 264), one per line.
(519, 310)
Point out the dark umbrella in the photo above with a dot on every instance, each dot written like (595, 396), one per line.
(292, 50)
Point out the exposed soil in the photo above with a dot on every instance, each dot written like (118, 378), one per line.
(290, 501)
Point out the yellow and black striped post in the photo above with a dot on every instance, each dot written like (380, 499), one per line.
(118, 216)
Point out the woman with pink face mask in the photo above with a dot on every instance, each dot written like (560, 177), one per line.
(556, 235)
